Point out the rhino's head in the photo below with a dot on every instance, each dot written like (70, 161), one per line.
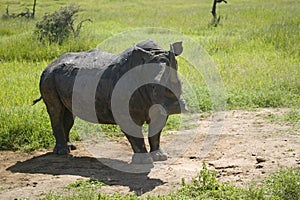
(168, 90)
(174, 101)
(172, 98)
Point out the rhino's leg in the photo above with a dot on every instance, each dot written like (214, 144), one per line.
(68, 123)
(154, 133)
(137, 143)
(154, 142)
(56, 111)
(156, 152)
(141, 155)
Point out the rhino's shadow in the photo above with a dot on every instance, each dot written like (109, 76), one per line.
(89, 167)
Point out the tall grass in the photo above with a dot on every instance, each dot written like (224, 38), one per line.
(256, 48)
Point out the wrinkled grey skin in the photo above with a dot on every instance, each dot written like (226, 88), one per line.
(56, 87)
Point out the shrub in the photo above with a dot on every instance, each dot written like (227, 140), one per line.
(58, 26)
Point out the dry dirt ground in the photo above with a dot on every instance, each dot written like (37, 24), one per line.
(248, 148)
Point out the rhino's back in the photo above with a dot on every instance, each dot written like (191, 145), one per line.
(65, 68)
(94, 58)
(62, 73)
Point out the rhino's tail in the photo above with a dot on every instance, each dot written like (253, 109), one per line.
(36, 100)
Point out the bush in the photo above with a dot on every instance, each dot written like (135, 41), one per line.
(58, 26)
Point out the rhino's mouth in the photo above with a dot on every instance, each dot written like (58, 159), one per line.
(175, 106)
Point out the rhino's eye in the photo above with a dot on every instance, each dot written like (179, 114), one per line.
(164, 60)
(143, 60)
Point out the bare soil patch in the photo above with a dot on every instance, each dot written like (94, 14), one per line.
(249, 148)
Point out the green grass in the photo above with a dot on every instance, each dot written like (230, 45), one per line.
(85, 184)
(283, 184)
(256, 48)
(291, 116)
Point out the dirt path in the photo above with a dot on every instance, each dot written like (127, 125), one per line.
(246, 139)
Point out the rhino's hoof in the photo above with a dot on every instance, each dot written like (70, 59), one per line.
(141, 158)
(61, 149)
(71, 146)
(159, 155)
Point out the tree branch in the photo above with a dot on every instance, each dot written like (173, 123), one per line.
(216, 19)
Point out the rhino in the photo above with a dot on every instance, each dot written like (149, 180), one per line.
(57, 83)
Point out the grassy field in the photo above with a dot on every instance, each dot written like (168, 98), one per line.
(256, 48)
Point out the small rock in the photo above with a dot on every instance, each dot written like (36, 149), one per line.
(260, 159)
(253, 154)
(225, 167)
(259, 166)
(237, 172)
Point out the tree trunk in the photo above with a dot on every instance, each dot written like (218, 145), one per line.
(33, 9)
(214, 8)
(216, 19)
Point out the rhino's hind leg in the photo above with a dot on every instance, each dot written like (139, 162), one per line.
(68, 123)
(56, 111)
(56, 118)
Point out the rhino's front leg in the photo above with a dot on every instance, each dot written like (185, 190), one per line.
(156, 151)
(141, 155)
(156, 125)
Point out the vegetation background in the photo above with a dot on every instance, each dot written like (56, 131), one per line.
(256, 47)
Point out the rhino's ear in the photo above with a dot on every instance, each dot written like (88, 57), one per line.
(176, 48)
